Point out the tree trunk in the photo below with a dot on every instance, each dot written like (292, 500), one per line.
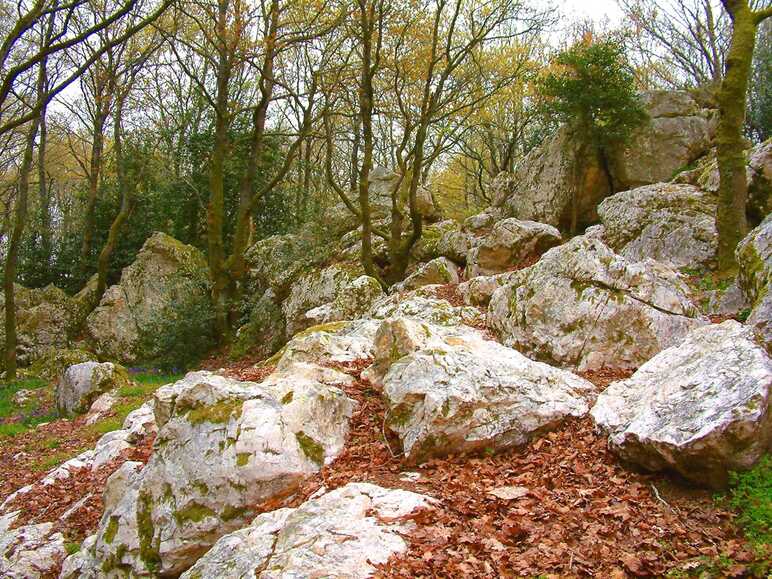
(216, 207)
(12, 257)
(103, 261)
(733, 187)
(95, 172)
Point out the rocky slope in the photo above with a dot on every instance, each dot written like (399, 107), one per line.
(517, 404)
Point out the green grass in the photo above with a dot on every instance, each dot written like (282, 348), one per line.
(751, 495)
(132, 397)
(27, 414)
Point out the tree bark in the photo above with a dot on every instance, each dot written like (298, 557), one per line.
(733, 187)
(12, 258)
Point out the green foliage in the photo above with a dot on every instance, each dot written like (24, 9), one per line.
(592, 90)
(759, 116)
(181, 334)
(751, 495)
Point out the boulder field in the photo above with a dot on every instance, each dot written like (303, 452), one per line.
(483, 349)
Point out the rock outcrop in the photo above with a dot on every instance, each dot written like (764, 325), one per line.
(439, 271)
(700, 408)
(306, 541)
(673, 224)
(46, 321)
(679, 131)
(510, 242)
(81, 384)
(29, 551)
(166, 285)
(754, 257)
(353, 301)
(314, 289)
(450, 391)
(584, 306)
(222, 445)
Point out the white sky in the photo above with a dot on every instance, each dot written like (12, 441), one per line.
(598, 10)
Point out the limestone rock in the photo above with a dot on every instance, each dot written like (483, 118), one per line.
(584, 306)
(673, 224)
(424, 305)
(29, 551)
(443, 239)
(439, 271)
(46, 321)
(450, 391)
(306, 541)
(679, 131)
(222, 446)
(754, 257)
(509, 242)
(353, 301)
(313, 289)
(167, 282)
(82, 384)
(479, 290)
(383, 182)
(700, 408)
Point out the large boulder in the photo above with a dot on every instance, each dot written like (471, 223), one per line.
(754, 258)
(510, 242)
(81, 384)
(678, 132)
(352, 302)
(46, 321)
(673, 224)
(449, 391)
(383, 184)
(306, 541)
(222, 447)
(439, 271)
(443, 239)
(168, 284)
(29, 551)
(700, 408)
(316, 288)
(586, 307)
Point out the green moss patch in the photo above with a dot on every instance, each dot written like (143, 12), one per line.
(312, 449)
(218, 413)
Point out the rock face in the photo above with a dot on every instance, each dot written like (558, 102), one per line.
(439, 271)
(383, 183)
(673, 224)
(82, 384)
(509, 242)
(754, 257)
(222, 445)
(451, 391)
(306, 541)
(29, 551)
(352, 302)
(167, 279)
(46, 320)
(679, 131)
(700, 408)
(313, 289)
(584, 306)
(264, 332)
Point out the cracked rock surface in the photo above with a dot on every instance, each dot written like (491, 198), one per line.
(584, 306)
(343, 533)
(700, 408)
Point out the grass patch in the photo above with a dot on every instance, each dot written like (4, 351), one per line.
(131, 397)
(751, 495)
(16, 419)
